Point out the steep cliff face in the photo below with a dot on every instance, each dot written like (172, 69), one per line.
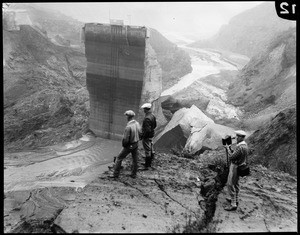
(174, 62)
(43, 99)
(268, 82)
(274, 144)
(249, 32)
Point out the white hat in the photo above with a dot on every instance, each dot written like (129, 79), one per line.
(240, 133)
(129, 113)
(146, 106)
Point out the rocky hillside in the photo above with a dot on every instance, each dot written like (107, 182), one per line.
(45, 95)
(267, 83)
(53, 23)
(174, 61)
(43, 90)
(266, 91)
(274, 145)
(249, 32)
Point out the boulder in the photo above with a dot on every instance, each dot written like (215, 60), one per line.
(208, 137)
(173, 104)
(191, 129)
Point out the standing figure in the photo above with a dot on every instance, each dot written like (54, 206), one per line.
(236, 158)
(130, 145)
(148, 126)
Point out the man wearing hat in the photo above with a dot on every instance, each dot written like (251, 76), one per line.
(236, 158)
(148, 126)
(130, 144)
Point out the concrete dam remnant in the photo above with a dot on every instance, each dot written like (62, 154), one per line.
(115, 75)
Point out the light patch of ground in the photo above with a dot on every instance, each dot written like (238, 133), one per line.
(268, 203)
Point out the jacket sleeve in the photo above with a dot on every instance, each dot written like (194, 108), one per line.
(154, 122)
(126, 137)
(236, 154)
(146, 128)
(140, 131)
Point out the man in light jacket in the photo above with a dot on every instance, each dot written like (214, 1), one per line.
(130, 145)
(236, 158)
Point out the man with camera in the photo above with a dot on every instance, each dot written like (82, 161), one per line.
(236, 158)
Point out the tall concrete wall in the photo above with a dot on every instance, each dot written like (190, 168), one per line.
(115, 75)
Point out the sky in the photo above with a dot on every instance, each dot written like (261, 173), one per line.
(188, 19)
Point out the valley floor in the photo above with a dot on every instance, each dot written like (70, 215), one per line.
(170, 198)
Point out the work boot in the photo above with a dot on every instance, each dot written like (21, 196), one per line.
(133, 176)
(113, 177)
(229, 200)
(112, 167)
(230, 208)
(150, 162)
(147, 164)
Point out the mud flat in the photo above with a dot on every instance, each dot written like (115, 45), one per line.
(178, 195)
(164, 199)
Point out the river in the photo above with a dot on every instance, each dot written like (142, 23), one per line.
(210, 63)
(206, 62)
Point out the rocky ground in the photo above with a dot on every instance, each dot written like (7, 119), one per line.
(66, 188)
(268, 203)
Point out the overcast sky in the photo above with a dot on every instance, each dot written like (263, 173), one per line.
(199, 19)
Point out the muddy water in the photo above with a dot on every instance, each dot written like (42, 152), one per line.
(39, 184)
(209, 63)
(69, 165)
(193, 85)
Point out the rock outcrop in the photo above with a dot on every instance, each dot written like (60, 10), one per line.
(42, 90)
(175, 62)
(191, 130)
(274, 144)
(267, 83)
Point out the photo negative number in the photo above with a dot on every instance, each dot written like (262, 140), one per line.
(286, 9)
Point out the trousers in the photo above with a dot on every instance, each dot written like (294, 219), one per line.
(122, 155)
(147, 145)
(233, 184)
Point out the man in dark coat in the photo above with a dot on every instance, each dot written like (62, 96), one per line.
(148, 126)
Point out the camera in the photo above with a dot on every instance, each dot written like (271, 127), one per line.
(227, 140)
